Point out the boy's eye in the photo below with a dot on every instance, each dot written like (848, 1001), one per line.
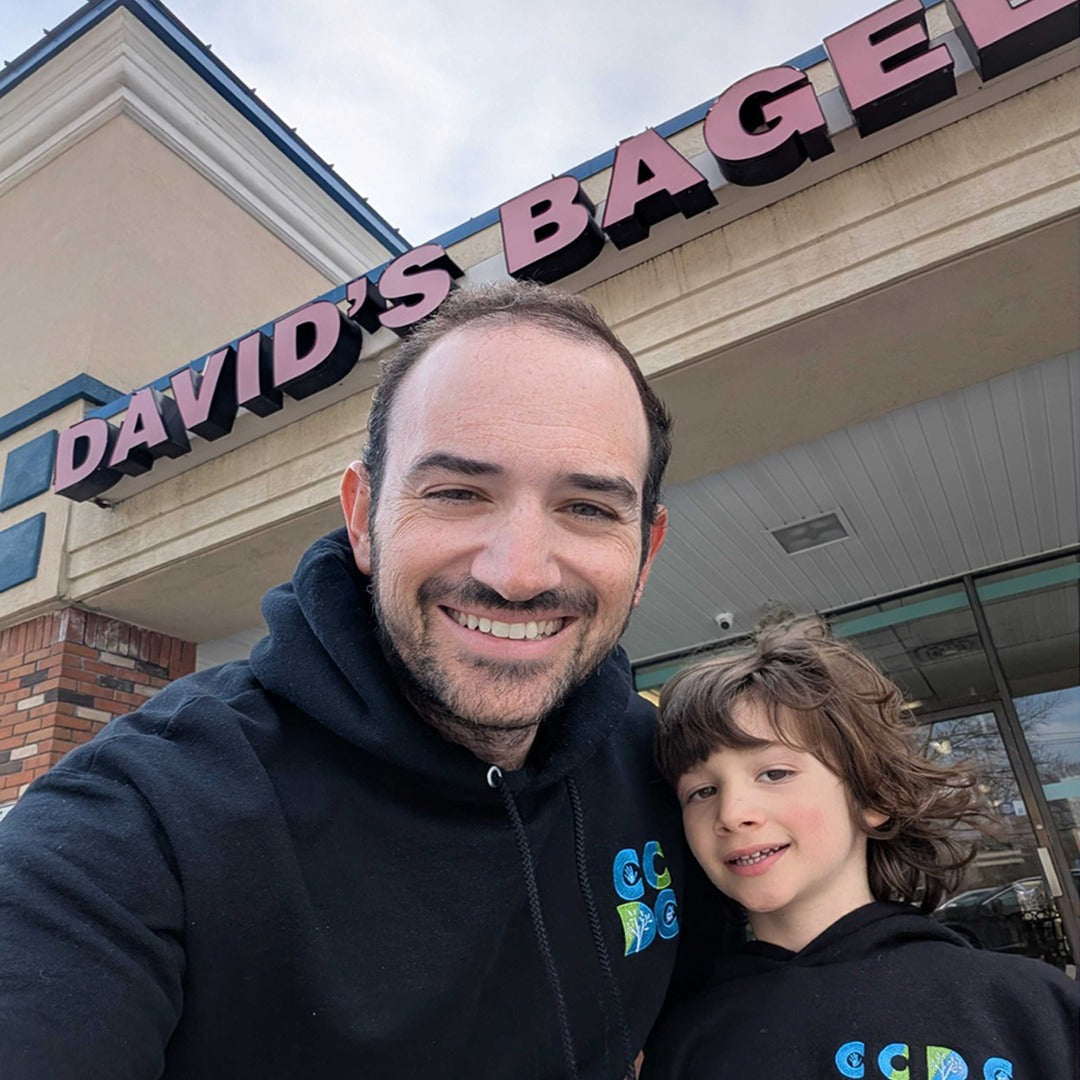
(774, 776)
(699, 793)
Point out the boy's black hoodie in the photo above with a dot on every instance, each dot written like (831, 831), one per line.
(276, 870)
(884, 994)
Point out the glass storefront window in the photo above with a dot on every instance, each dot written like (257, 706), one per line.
(1002, 903)
(927, 644)
(1034, 618)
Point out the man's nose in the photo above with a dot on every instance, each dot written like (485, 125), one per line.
(518, 559)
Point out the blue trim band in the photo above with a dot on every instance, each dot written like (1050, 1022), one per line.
(28, 470)
(55, 40)
(808, 59)
(20, 551)
(165, 26)
(1040, 579)
(467, 228)
(82, 386)
(173, 33)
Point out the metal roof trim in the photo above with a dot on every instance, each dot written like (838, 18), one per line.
(177, 37)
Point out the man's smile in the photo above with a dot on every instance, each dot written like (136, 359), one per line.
(531, 630)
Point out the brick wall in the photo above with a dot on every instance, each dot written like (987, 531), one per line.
(63, 676)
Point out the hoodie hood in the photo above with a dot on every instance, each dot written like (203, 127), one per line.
(323, 657)
(885, 991)
(867, 932)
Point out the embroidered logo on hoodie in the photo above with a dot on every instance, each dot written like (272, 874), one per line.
(650, 909)
(941, 1063)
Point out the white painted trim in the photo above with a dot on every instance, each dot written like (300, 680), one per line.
(120, 67)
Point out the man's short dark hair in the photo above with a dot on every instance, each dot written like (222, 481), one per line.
(506, 303)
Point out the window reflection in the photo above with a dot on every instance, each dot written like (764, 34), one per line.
(928, 645)
(1051, 725)
(1003, 902)
(1034, 618)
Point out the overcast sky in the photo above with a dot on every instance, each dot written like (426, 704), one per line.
(437, 111)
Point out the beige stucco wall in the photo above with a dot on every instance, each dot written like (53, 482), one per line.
(121, 261)
(937, 264)
(145, 221)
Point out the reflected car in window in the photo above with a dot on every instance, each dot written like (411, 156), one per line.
(1017, 918)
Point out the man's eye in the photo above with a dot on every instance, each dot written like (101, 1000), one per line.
(591, 510)
(452, 495)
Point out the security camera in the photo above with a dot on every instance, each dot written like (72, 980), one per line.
(725, 620)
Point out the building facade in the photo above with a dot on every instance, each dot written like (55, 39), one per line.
(853, 277)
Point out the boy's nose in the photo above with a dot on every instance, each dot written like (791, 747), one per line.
(518, 559)
(737, 810)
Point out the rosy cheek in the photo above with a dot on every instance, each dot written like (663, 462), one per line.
(809, 819)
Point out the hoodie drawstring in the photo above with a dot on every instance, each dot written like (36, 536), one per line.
(495, 780)
(536, 914)
(585, 886)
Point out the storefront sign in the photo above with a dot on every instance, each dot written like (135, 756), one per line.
(759, 130)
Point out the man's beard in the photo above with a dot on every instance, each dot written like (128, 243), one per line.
(430, 687)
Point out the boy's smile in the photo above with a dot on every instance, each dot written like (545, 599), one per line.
(756, 860)
(774, 829)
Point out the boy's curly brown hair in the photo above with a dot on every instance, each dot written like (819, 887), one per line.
(826, 698)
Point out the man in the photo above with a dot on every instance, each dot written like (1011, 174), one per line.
(419, 833)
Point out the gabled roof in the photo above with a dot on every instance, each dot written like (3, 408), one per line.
(165, 26)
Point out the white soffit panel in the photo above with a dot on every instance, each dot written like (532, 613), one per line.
(975, 478)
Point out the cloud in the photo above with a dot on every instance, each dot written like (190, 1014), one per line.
(436, 112)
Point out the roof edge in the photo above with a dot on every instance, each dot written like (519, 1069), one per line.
(176, 36)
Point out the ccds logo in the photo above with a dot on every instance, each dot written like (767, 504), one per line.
(645, 884)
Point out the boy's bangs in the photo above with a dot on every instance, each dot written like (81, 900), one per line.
(802, 729)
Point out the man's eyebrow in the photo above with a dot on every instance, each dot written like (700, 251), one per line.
(454, 463)
(618, 486)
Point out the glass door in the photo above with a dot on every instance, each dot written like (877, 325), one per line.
(1011, 898)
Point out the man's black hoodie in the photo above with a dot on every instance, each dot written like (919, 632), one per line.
(275, 870)
(884, 994)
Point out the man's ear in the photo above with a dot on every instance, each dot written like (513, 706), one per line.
(657, 532)
(356, 505)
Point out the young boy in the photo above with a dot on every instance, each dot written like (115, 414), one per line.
(807, 803)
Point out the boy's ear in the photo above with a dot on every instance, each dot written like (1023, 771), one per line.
(874, 819)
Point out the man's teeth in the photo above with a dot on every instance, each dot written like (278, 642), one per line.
(749, 860)
(516, 630)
